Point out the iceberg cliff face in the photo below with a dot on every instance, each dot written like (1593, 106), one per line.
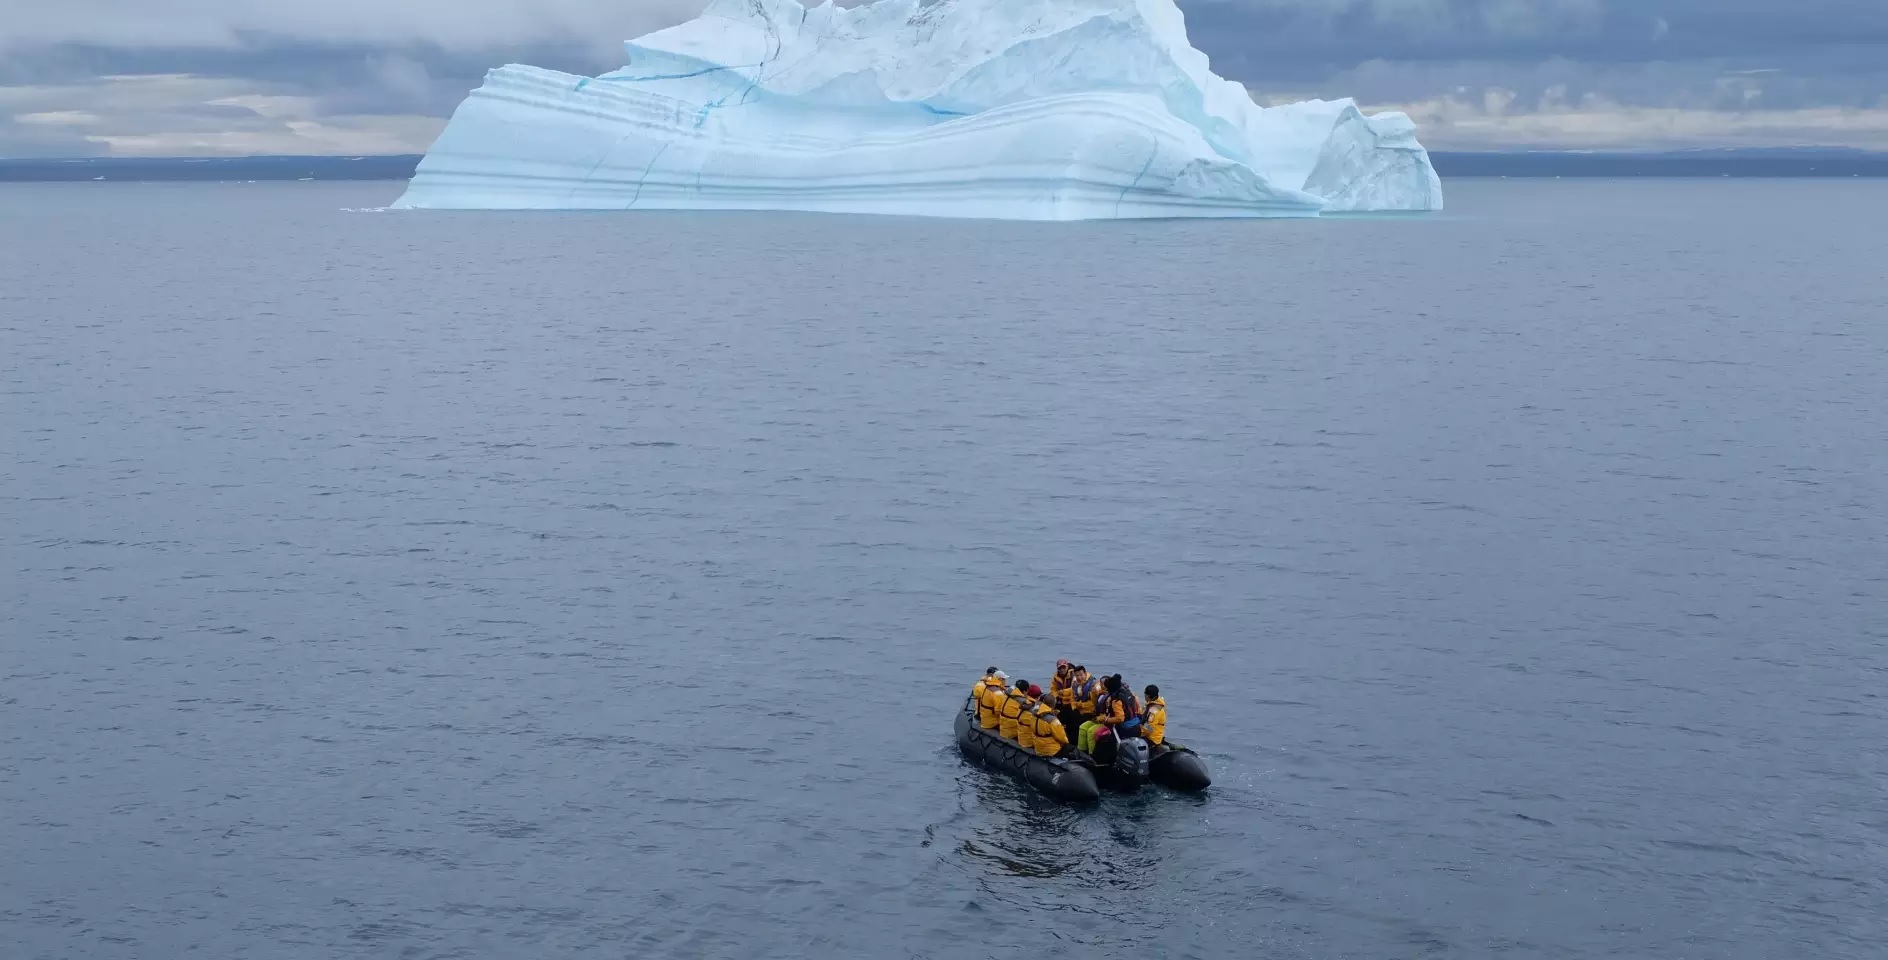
(1008, 109)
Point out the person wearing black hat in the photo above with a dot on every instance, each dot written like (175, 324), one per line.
(1013, 709)
(1154, 717)
(1107, 713)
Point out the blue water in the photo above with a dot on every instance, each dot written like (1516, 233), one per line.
(543, 585)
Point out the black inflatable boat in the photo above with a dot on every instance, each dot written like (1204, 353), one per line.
(1054, 776)
(1177, 768)
(1126, 765)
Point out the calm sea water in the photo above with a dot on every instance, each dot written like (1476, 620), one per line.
(505, 585)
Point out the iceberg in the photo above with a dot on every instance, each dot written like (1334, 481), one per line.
(1002, 109)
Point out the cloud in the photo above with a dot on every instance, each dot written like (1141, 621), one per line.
(349, 76)
(1559, 103)
(58, 118)
(1690, 84)
(237, 76)
(1435, 18)
(1495, 74)
(328, 136)
(1272, 40)
(183, 115)
(1496, 121)
(230, 24)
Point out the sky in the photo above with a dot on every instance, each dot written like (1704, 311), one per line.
(234, 77)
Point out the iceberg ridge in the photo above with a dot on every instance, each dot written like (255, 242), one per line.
(1006, 109)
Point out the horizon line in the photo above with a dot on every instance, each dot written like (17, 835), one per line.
(1500, 152)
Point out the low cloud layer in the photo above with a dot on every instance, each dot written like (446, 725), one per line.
(183, 115)
(183, 77)
(462, 25)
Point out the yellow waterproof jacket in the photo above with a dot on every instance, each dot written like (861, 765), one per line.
(1011, 712)
(1050, 737)
(1154, 721)
(1059, 688)
(990, 705)
(1083, 697)
(1026, 722)
(1111, 712)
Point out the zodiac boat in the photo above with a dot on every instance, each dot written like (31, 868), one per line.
(1080, 778)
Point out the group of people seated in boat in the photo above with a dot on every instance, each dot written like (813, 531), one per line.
(1096, 707)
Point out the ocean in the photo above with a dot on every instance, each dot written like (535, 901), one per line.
(561, 585)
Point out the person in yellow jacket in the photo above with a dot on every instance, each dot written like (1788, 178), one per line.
(1154, 717)
(1061, 684)
(990, 698)
(992, 679)
(1111, 711)
(1026, 720)
(991, 675)
(1012, 710)
(1052, 740)
(1084, 690)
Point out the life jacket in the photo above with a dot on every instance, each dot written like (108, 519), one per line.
(989, 705)
(1084, 693)
(1026, 723)
(1154, 721)
(1050, 737)
(1008, 718)
(1059, 689)
(1131, 709)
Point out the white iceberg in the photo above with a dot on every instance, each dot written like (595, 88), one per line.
(1006, 109)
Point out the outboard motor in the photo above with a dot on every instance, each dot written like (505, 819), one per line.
(1130, 759)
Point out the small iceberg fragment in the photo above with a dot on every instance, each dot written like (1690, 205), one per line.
(1003, 109)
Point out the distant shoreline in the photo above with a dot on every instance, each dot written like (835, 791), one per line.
(1773, 163)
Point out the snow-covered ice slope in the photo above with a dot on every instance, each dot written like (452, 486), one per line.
(1009, 109)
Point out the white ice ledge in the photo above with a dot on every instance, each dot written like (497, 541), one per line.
(1006, 109)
